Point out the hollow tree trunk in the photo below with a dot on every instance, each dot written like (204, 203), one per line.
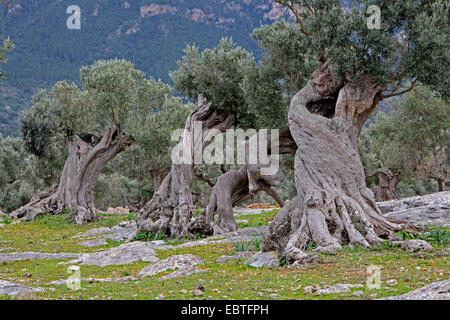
(333, 206)
(134, 207)
(75, 191)
(232, 189)
(157, 176)
(237, 186)
(170, 210)
(387, 184)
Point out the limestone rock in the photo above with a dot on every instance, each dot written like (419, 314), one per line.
(264, 260)
(124, 231)
(11, 288)
(118, 210)
(338, 288)
(184, 262)
(14, 256)
(123, 254)
(235, 257)
(439, 290)
(430, 209)
(413, 245)
(93, 280)
(391, 282)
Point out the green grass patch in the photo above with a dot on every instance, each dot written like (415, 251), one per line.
(257, 220)
(230, 280)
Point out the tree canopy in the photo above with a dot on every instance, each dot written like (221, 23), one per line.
(413, 139)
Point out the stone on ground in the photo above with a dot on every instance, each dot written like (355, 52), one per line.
(184, 264)
(11, 288)
(413, 245)
(264, 260)
(430, 209)
(14, 256)
(439, 290)
(235, 257)
(124, 231)
(123, 254)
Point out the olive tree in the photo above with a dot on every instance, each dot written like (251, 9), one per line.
(412, 140)
(359, 67)
(216, 76)
(91, 121)
(148, 160)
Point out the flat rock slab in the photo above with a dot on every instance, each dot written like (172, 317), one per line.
(439, 290)
(337, 288)
(430, 209)
(124, 231)
(93, 280)
(184, 263)
(123, 254)
(11, 288)
(248, 211)
(264, 260)
(14, 256)
(413, 245)
(235, 257)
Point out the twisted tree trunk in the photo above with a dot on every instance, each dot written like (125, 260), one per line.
(170, 210)
(237, 186)
(232, 189)
(387, 184)
(157, 176)
(75, 191)
(333, 206)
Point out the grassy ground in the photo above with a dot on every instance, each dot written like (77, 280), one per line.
(232, 280)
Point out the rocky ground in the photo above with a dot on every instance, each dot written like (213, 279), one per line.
(34, 261)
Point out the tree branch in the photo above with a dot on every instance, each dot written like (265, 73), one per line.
(413, 85)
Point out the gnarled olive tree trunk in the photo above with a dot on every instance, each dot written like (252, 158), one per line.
(387, 184)
(333, 206)
(170, 210)
(237, 186)
(75, 191)
(234, 188)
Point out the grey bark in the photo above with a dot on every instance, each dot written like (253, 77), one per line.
(171, 207)
(238, 186)
(387, 184)
(333, 206)
(75, 191)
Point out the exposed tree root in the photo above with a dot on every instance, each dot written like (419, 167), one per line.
(333, 207)
(75, 191)
(170, 210)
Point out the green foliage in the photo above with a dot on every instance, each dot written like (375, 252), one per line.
(310, 245)
(5, 219)
(147, 236)
(217, 73)
(389, 55)
(254, 244)
(110, 222)
(110, 91)
(437, 234)
(434, 234)
(416, 130)
(6, 46)
(114, 243)
(197, 212)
